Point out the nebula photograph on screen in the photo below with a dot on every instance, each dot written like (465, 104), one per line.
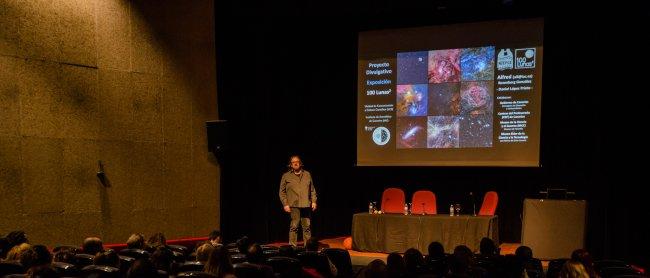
(444, 66)
(444, 99)
(412, 67)
(411, 132)
(442, 132)
(412, 100)
(476, 131)
(476, 98)
(477, 63)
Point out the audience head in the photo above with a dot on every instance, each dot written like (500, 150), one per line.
(28, 258)
(203, 252)
(488, 247)
(219, 262)
(42, 256)
(65, 256)
(243, 244)
(35, 256)
(162, 258)
(43, 271)
(573, 269)
(72, 249)
(436, 250)
(135, 241)
(4, 246)
(583, 257)
(16, 237)
(312, 244)
(142, 268)
(461, 260)
(156, 240)
(413, 260)
(287, 251)
(92, 246)
(375, 269)
(524, 253)
(215, 237)
(10, 241)
(255, 254)
(15, 252)
(107, 258)
(395, 264)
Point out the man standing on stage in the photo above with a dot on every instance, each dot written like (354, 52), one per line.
(298, 196)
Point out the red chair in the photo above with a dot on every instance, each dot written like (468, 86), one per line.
(392, 200)
(424, 201)
(490, 201)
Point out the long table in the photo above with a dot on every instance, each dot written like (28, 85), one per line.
(388, 233)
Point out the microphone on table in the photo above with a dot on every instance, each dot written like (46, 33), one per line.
(471, 194)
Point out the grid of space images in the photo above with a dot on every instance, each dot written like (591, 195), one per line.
(445, 98)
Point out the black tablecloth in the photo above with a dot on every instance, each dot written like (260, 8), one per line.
(396, 232)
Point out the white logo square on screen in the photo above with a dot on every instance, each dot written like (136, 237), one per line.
(525, 58)
(505, 59)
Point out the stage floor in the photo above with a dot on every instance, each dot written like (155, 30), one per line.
(363, 258)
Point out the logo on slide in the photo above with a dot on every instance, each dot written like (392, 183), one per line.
(381, 136)
(525, 58)
(505, 60)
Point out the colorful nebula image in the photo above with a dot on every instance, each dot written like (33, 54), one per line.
(411, 132)
(476, 131)
(444, 99)
(443, 132)
(444, 66)
(412, 67)
(477, 63)
(412, 100)
(476, 98)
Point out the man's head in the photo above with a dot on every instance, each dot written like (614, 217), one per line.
(203, 252)
(524, 252)
(107, 258)
(243, 244)
(157, 240)
(295, 163)
(92, 246)
(255, 254)
(65, 256)
(16, 237)
(135, 241)
(487, 247)
(436, 250)
(142, 268)
(42, 255)
(162, 258)
(215, 237)
(42, 271)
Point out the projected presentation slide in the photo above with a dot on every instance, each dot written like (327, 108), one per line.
(453, 95)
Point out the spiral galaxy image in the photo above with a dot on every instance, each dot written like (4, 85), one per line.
(411, 132)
